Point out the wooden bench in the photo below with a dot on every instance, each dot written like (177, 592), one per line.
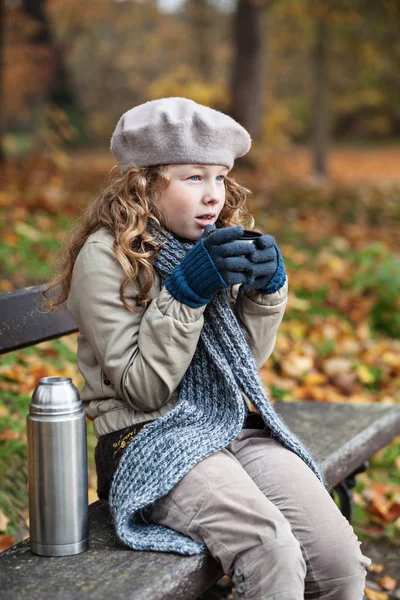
(342, 437)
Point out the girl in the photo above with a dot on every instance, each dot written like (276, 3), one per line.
(176, 314)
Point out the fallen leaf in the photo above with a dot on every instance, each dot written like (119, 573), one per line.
(393, 512)
(375, 568)
(6, 286)
(283, 383)
(8, 434)
(4, 412)
(336, 366)
(359, 398)
(25, 230)
(375, 530)
(10, 239)
(345, 381)
(298, 303)
(372, 595)
(387, 400)
(365, 375)
(296, 365)
(13, 372)
(364, 331)
(5, 199)
(390, 358)
(314, 379)
(50, 353)
(6, 541)
(92, 495)
(387, 583)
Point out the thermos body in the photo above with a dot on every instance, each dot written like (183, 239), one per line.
(57, 469)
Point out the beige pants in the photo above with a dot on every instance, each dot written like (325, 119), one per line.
(268, 520)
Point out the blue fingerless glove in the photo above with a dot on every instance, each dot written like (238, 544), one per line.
(269, 273)
(214, 263)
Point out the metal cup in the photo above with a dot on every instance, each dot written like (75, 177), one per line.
(249, 236)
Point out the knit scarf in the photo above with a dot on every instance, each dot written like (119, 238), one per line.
(208, 415)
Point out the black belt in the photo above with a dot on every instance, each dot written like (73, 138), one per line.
(254, 421)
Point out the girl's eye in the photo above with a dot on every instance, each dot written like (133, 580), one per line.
(197, 177)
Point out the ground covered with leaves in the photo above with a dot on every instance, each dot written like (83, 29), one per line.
(340, 337)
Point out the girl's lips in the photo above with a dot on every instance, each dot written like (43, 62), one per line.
(204, 221)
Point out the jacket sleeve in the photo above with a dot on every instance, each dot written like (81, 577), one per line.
(145, 353)
(261, 314)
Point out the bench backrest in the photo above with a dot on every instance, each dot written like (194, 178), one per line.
(22, 323)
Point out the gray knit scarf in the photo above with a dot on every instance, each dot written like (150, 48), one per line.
(209, 414)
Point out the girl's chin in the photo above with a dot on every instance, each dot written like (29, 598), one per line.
(193, 233)
(191, 236)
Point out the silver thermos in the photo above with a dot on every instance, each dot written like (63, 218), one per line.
(57, 469)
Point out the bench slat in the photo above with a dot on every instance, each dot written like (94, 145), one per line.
(108, 570)
(21, 321)
(342, 436)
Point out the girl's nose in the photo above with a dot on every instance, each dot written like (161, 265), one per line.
(212, 195)
(207, 199)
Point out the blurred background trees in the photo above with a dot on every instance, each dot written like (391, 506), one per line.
(292, 71)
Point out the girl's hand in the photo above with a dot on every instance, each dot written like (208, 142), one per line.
(268, 268)
(216, 262)
(230, 256)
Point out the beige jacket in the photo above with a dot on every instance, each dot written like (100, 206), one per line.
(132, 362)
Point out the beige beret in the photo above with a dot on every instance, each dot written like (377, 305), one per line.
(177, 130)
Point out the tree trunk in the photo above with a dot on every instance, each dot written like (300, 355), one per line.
(60, 91)
(199, 16)
(247, 66)
(320, 125)
(2, 25)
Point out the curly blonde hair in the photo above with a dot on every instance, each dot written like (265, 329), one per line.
(126, 207)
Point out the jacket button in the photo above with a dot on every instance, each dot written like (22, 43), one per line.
(241, 588)
(238, 572)
(107, 382)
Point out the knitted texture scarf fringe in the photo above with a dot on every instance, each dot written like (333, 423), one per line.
(209, 414)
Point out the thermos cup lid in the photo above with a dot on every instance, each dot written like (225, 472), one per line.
(55, 396)
(250, 236)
